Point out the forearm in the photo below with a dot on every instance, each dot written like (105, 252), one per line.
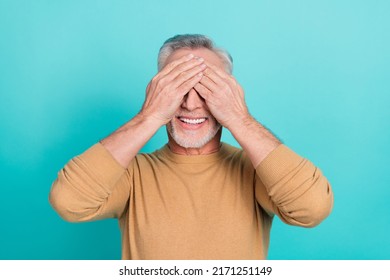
(96, 184)
(125, 143)
(256, 140)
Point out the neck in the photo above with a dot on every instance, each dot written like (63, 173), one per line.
(211, 147)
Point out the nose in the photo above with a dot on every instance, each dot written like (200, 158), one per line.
(192, 101)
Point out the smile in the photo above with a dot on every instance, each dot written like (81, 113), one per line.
(192, 121)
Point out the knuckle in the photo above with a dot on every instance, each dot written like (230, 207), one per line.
(186, 64)
(161, 82)
(159, 85)
(225, 87)
(155, 79)
(183, 74)
(148, 88)
(181, 68)
(171, 64)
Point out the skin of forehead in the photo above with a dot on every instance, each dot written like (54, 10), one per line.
(206, 54)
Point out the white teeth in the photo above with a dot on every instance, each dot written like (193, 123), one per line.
(193, 121)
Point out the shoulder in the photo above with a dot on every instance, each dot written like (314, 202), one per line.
(151, 158)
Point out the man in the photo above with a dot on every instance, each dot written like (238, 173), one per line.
(195, 198)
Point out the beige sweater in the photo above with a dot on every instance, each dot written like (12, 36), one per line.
(173, 206)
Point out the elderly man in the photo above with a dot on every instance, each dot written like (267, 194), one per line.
(195, 198)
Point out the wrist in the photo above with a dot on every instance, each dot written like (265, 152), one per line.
(239, 122)
(150, 120)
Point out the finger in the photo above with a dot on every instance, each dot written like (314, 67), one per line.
(216, 72)
(185, 66)
(148, 87)
(171, 70)
(210, 84)
(221, 73)
(203, 91)
(182, 71)
(182, 77)
(167, 68)
(213, 75)
(184, 88)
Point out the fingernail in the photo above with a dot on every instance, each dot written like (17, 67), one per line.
(189, 56)
(203, 66)
(200, 59)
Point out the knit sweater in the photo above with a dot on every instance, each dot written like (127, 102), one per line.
(173, 206)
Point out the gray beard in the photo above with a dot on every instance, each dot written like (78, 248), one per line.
(187, 141)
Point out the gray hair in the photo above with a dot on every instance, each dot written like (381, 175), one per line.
(192, 41)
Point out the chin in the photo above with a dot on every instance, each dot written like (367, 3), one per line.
(190, 138)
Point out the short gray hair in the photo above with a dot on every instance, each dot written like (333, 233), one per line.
(192, 41)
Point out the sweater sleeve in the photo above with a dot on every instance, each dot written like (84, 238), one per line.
(91, 186)
(293, 188)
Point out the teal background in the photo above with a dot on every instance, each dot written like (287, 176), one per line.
(315, 72)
